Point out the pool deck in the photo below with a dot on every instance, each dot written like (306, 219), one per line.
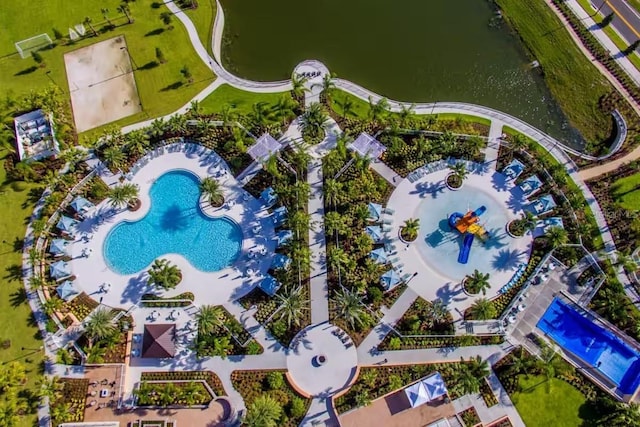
(429, 283)
(214, 288)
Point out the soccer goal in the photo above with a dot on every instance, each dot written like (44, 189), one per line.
(24, 47)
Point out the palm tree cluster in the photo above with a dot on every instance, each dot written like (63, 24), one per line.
(101, 334)
(214, 332)
(169, 393)
(476, 283)
(311, 122)
(212, 191)
(430, 317)
(469, 375)
(264, 411)
(124, 195)
(164, 275)
(14, 404)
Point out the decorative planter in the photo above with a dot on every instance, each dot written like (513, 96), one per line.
(464, 289)
(449, 185)
(135, 205)
(402, 239)
(514, 236)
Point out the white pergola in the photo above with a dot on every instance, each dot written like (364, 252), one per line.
(367, 146)
(264, 148)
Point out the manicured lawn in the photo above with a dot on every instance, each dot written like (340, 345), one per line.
(575, 83)
(162, 88)
(561, 404)
(359, 108)
(626, 192)
(203, 17)
(15, 314)
(240, 101)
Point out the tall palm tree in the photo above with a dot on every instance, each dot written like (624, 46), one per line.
(212, 191)
(124, 9)
(157, 128)
(297, 86)
(332, 191)
(194, 111)
(264, 411)
(114, 157)
(327, 86)
(378, 111)
(410, 229)
(285, 108)
(335, 223)
(312, 120)
(122, 195)
(477, 282)
(164, 274)
(437, 312)
(346, 105)
(556, 236)
(260, 115)
(337, 258)
(406, 114)
(628, 264)
(483, 309)
(208, 318)
(52, 305)
(87, 21)
(137, 142)
(293, 305)
(348, 305)
(465, 380)
(99, 326)
(459, 170)
(72, 157)
(49, 386)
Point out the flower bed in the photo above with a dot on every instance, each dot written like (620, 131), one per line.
(81, 306)
(240, 341)
(489, 398)
(251, 384)
(395, 342)
(501, 423)
(73, 396)
(265, 305)
(470, 417)
(151, 300)
(192, 393)
(209, 377)
(374, 382)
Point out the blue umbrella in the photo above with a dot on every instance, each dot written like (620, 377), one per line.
(66, 290)
(374, 231)
(269, 196)
(58, 246)
(378, 255)
(284, 236)
(390, 279)
(59, 269)
(269, 285)
(81, 203)
(66, 223)
(375, 210)
(280, 261)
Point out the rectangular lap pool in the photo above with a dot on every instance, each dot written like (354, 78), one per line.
(592, 343)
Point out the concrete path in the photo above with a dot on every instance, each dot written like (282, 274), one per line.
(386, 172)
(318, 246)
(251, 325)
(493, 144)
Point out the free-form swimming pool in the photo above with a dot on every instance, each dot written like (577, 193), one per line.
(592, 343)
(174, 224)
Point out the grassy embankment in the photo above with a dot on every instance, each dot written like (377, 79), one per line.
(161, 87)
(574, 82)
(16, 324)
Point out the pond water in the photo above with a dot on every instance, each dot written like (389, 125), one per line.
(412, 50)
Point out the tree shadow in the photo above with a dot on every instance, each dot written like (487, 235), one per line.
(172, 86)
(507, 259)
(155, 32)
(18, 244)
(149, 65)
(18, 297)
(26, 71)
(14, 272)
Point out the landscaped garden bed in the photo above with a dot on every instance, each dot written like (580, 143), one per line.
(164, 394)
(184, 299)
(396, 342)
(81, 306)
(226, 337)
(489, 398)
(469, 417)
(209, 377)
(252, 384)
(71, 401)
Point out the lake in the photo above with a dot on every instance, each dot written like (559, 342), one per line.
(408, 50)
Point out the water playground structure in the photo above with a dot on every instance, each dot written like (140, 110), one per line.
(467, 225)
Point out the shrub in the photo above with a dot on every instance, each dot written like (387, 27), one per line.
(297, 407)
(275, 380)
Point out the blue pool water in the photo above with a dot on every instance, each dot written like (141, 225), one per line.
(174, 224)
(594, 344)
(440, 245)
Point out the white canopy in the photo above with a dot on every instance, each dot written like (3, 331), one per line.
(417, 394)
(435, 386)
(264, 147)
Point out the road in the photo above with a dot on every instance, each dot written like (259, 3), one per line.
(626, 21)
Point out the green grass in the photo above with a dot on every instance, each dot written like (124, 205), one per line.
(574, 82)
(359, 108)
(556, 403)
(465, 118)
(154, 83)
(240, 101)
(626, 191)
(203, 17)
(15, 314)
(613, 35)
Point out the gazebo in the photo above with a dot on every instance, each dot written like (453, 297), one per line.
(264, 147)
(367, 146)
(159, 341)
(66, 290)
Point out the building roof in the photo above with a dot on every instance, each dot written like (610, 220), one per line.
(35, 138)
(264, 147)
(159, 341)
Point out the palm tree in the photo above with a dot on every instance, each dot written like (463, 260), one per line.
(378, 111)
(348, 305)
(477, 282)
(114, 157)
(556, 236)
(72, 157)
(465, 380)
(459, 172)
(164, 274)
(124, 9)
(293, 305)
(298, 89)
(312, 120)
(621, 416)
(629, 265)
(61, 412)
(409, 231)
(483, 309)
(194, 111)
(99, 326)
(405, 114)
(336, 223)
(260, 115)
(49, 386)
(168, 394)
(122, 195)
(221, 347)
(437, 312)
(87, 21)
(526, 224)
(327, 86)
(137, 142)
(285, 109)
(346, 105)
(264, 411)
(212, 191)
(157, 128)
(208, 318)
(332, 191)
(52, 305)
